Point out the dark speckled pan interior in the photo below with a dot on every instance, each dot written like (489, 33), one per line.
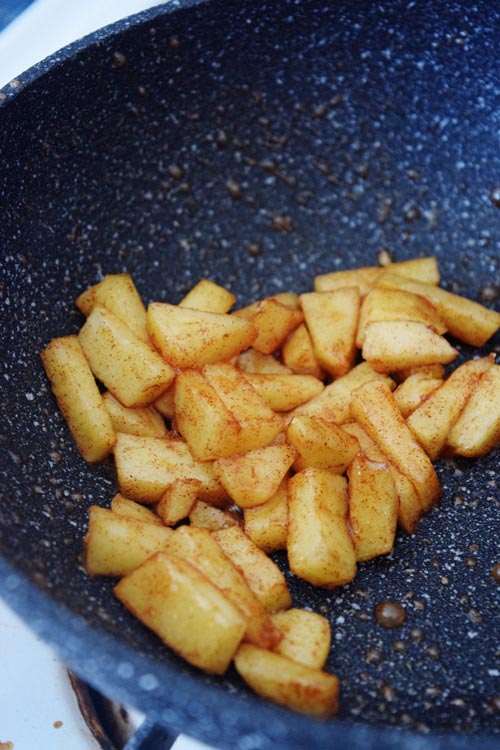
(256, 143)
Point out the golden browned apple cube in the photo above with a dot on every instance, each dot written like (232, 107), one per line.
(119, 294)
(298, 353)
(138, 421)
(209, 296)
(373, 405)
(324, 445)
(199, 547)
(423, 371)
(202, 418)
(116, 544)
(129, 368)
(363, 278)
(164, 404)
(391, 345)
(285, 392)
(187, 611)
(123, 506)
(477, 430)
(373, 507)
(267, 524)
(410, 508)
(433, 419)
(210, 517)
(306, 636)
(263, 575)
(465, 319)
(296, 686)
(273, 321)
(252, 361)
(333, 403)
(78, 397)
(258, 424)
(320, 548)
(177, 501)
(193, 338)
(252, 478)
(424, 269)
(146, 466)
(414, 391)
(384, 304)
(332, 321)
(220, 414)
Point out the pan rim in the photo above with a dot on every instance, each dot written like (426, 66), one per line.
(53, 619)
(14, 88)
(26, 591)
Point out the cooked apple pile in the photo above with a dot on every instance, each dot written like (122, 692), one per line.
(302, 422)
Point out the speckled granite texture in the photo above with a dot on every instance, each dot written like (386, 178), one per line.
(258, 144)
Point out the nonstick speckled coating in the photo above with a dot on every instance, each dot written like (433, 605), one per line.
(257, 144)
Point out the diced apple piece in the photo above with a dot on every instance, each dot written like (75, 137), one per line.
(146, 466)
(129, 368)
(252, 478)
(374, 406)
(258, 424)
(332, 321)
(116, 544)
(433, 419)
(434, 371)
(423, 269)
(203, 419)
(210, 297)
(383, 304)
(177, 501)
(299, 355)
(187, 611)
(320, 548)
(396, 344)
(199, 547)
(363, 278)
(210, 517)
(289, 299)
(263, 575)
(138, 421)
(126, 507)
(193, 338)
(267, 524)
(465, 319)
(333, 403)
(78, 397)
(477, 430)
(410, 508)
(219, 413)
(373, 507)
(288, 683)
(414, 391)
(324, 445)
(306, 636)
(273, 321)
(252, 361)
(119, 294)
(285, 392)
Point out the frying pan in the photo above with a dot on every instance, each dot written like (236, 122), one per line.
(257, 144)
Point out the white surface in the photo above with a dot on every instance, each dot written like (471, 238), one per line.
(48, 25)
(38, 708)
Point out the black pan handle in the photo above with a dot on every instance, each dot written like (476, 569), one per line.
(150, 737)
